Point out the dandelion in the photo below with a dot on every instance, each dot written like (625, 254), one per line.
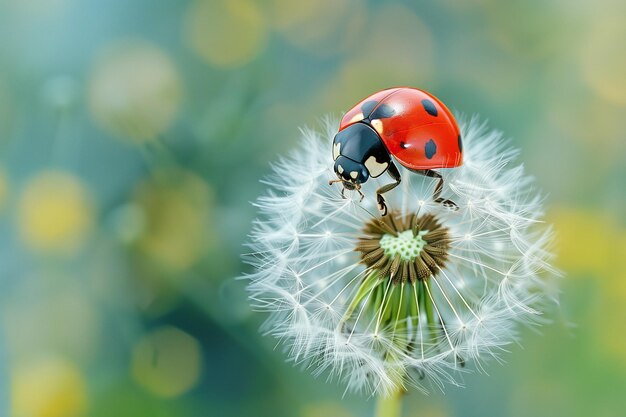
(411, 299)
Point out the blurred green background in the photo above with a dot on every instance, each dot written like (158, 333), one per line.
(133, 135)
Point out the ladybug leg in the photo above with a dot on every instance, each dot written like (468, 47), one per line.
(438, 188)
(395, 174)
(361, 194)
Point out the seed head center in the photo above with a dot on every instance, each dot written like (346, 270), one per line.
(405, 244)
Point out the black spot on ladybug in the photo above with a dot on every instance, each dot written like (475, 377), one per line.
(430, 149)
(403, 145)
(368, 106)
(382, 112)
(460, 144)
(430, 108)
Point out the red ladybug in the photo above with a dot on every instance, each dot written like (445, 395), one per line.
(409, 124)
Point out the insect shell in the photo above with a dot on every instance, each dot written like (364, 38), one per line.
(408, 124)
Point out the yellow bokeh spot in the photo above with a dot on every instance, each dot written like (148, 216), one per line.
(368, 68)
(593, 244)
(603, 62)
(226, 33)
(50, 387)
(167, 362)
(134, 90)
(585, 242)
(176, 207)
(320, 26)
(610, 313)
(55, 212)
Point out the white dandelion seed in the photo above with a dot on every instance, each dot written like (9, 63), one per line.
(410, 298)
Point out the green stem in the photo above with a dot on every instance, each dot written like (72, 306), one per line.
(430, 316)
(390, 406)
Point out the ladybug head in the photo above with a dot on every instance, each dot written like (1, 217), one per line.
(351, 173)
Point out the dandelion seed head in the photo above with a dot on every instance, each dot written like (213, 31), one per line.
(411, 298)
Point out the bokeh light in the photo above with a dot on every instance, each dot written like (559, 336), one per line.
(323, 27)
(385, 58)
(167, 362)
(134, 90)
(56, 212)
(226, 33)
(603, 65)
(587, 242)
(175, 208)
(48, 387)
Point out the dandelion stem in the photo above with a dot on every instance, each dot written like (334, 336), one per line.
(368, 284)
(391, 405)
(428, 307)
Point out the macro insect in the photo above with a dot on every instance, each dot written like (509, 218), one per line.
(408, 124)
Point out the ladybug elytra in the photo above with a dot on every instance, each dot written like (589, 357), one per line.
(409, 124)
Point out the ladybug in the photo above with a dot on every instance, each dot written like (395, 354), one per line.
(409, 124)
